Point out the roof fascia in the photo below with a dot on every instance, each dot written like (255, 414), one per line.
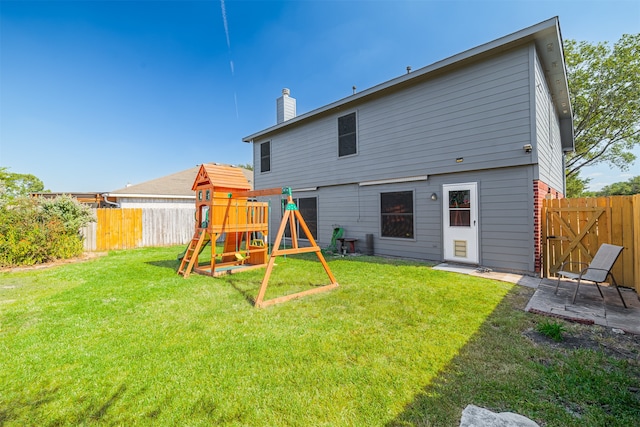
(536, 33)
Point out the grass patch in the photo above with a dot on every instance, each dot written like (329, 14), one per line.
(124, 340)
(551, 329)
(502, 369)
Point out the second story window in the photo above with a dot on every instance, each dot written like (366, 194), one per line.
(347, 137)
(265, 156)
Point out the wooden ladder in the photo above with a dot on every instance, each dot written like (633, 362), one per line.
(191, 254)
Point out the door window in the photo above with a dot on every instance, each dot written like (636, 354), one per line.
(459, 208)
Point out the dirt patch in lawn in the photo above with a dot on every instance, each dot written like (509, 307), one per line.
(612, 342)
(86, 256)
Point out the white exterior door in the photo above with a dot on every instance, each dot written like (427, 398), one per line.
(460, 222)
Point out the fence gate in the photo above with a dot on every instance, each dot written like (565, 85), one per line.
(574, 229)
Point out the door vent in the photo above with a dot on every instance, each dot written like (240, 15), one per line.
(460, 248)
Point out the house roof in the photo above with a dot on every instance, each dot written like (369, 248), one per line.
(221, 177)
(175, 186)
(547, 38)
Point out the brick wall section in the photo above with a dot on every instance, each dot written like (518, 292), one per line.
(540, 191)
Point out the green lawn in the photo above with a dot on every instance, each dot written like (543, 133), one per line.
(123, 340)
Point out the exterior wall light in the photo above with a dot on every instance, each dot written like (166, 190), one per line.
(434, 196)
(527, 148)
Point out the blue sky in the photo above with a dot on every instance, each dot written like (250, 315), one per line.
(98, 94)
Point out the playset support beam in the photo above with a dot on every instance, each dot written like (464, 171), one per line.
(291, 214)
(223, 208)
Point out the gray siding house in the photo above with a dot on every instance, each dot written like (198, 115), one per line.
(446, 163)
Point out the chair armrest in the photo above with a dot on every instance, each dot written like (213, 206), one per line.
(570, 263)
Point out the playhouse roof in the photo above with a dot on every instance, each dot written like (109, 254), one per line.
(221, 177)
(176, 185)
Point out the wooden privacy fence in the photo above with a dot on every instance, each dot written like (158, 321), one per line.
(135, 227)
(574, 229)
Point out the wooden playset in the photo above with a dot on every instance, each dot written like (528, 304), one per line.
(226, 208)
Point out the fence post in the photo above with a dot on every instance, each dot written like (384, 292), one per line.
(89, 234)
(544, 262)
(635, 202)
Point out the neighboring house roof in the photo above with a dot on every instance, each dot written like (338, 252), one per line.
(547, 38)
(174, 186)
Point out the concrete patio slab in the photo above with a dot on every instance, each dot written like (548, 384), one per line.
(589, 305)
(528, 281)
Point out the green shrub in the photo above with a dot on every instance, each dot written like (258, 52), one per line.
(21, 235)
(73, 214)
(37, 231)
(62, 244)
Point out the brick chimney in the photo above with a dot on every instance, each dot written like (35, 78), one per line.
(285, 107)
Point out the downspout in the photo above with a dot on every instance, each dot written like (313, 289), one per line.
(115, 205)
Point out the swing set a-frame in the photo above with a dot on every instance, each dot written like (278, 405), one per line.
(226, 208)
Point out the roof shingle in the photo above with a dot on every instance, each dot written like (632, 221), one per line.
(177, 184)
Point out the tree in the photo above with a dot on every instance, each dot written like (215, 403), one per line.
(627, 188)
(14, 185)
(576, 186)
(605, 97)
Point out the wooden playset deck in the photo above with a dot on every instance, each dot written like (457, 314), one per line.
(226, 208)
